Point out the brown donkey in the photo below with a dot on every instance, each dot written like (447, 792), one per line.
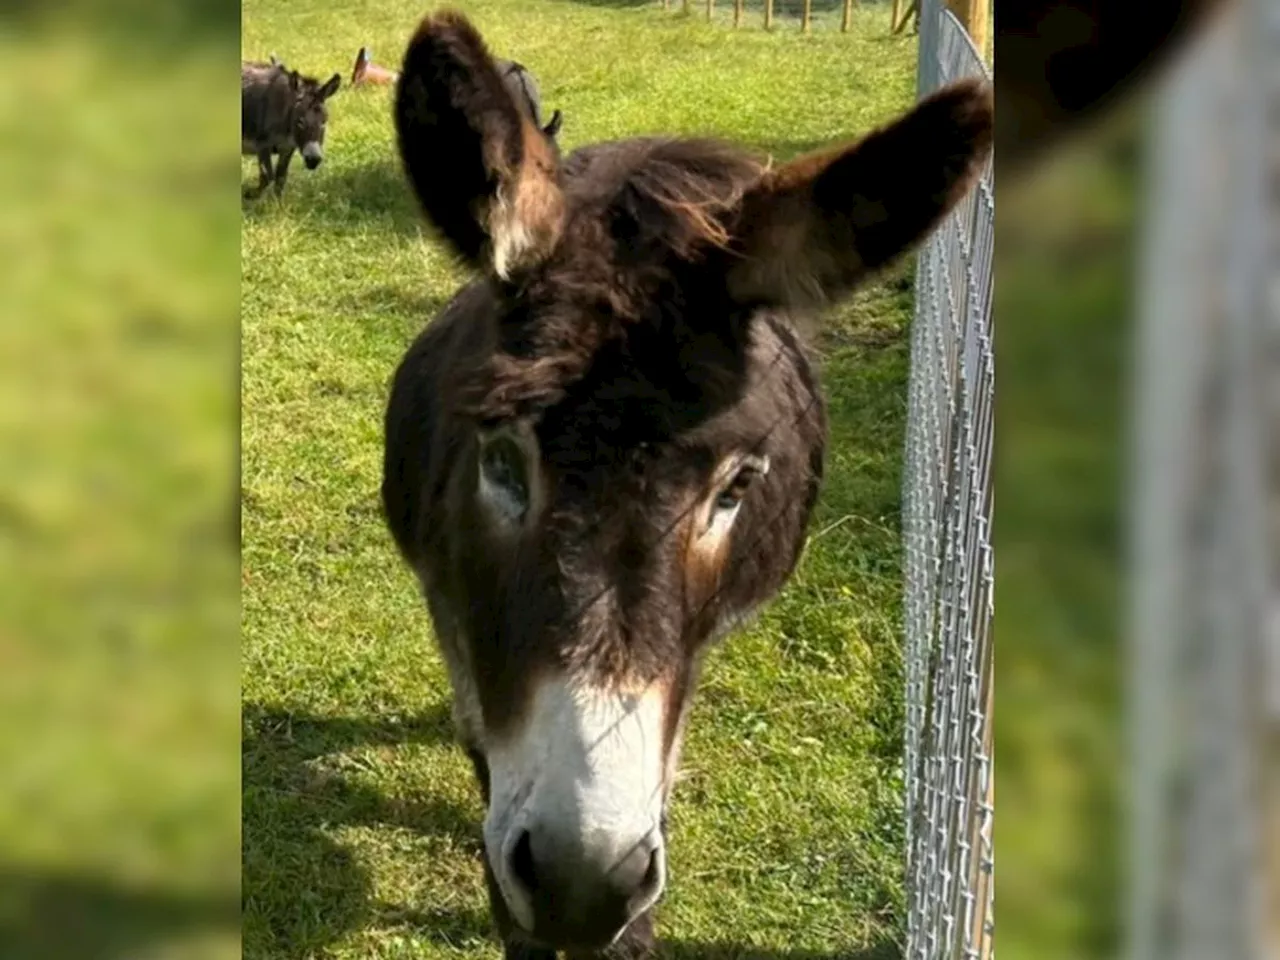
(604, 453)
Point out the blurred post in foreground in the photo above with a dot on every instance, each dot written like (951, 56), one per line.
(1203, 508)
(119, 396)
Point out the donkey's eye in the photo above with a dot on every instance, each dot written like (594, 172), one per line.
(730, 496)
(504, 482)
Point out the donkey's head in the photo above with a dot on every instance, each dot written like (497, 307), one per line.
(636, 438)
(310, 115)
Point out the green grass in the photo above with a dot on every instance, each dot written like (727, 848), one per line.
(361, 822)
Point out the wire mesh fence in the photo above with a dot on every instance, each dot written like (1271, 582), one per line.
(947, 513)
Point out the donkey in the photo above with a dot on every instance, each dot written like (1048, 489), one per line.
(603, 454)
(282, 111)
(525, 90)
(523, 87)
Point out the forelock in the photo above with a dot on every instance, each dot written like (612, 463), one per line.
(642, 214)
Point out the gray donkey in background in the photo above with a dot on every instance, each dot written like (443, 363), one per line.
(281, 112)
(519, 81)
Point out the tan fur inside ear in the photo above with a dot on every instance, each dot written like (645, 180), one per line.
(486, 178)
(527, 214)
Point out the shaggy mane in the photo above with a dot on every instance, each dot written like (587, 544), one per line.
(682, 193)
(640, 210)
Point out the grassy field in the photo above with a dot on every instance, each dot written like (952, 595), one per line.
(360, 819)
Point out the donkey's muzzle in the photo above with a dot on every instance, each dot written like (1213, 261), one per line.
(312, 154)
(585, 900)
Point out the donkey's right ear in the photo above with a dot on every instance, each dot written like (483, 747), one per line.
(485, 175)
(814, 228)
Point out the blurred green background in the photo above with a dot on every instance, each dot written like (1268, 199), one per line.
(119, 245)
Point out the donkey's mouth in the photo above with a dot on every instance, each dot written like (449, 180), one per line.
(579, 918)
(570, 942)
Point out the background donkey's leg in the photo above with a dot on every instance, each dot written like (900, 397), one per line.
(264, 175)
(282, 168)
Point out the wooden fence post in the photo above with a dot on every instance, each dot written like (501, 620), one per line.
(912, 10)
(895, 15)
(737, 13)
(847, 16)
(975, 18)
(711, 9)
(768, 14)
(978, 25)
(808, 11)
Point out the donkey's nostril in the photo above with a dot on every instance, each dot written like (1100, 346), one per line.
(641, 893)
(652, 876)
(522, 862)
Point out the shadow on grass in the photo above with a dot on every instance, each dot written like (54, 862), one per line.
(302, 891)
(447, 926)
(373, 194)
(415, 306)
(753, 10)
(684, 950)
(56, 915)
(450, 926)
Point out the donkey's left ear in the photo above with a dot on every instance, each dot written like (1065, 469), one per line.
(814, 228)
(330, 87)
(486, 176)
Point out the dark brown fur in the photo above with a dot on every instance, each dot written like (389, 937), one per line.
(642, 329)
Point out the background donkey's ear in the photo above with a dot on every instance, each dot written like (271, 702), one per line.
(330, 87)
(552, 129)
(485, 175)
(815, 227)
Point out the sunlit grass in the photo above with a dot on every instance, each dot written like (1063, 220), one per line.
(361, 822)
